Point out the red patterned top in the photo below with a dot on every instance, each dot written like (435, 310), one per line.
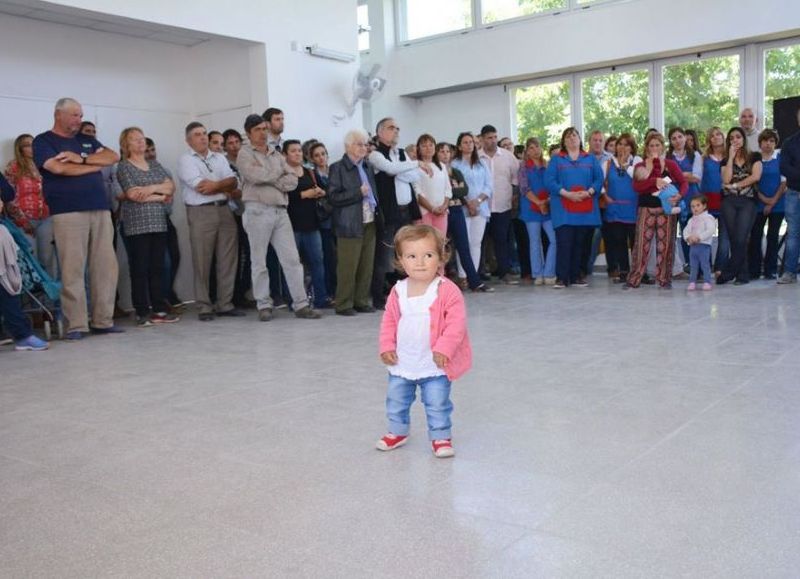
(29, 199)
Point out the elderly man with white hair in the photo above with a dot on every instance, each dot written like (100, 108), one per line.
(749, 121)
(72, 182)
(352, 193)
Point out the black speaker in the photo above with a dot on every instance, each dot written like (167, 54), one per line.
(784, 113)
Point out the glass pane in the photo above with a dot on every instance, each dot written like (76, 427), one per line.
(494, 10)
(426, 18)
(781, 66)
(702, 93)
(616, 103)
(363, 25)
(543, 111)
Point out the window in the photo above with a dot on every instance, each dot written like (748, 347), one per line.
(426, 18)
(780, 77)
(702, 93)
(543, 111)
(616, 103)
(494, 10)
(363, 27)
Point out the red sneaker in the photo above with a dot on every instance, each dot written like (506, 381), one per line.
(443, 448)
(391, 441)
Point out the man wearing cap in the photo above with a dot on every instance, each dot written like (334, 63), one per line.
(206, 179)
(266, 182)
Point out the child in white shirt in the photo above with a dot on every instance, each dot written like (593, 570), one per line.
(698, 233)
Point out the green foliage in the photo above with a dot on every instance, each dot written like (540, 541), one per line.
(702, 93)
(616, 103)
(543, 111)
(494, 10)
(782, 67)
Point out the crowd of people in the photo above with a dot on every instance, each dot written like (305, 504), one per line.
(272, 223)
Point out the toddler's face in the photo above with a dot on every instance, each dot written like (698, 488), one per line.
(697, 207)
(420, 259)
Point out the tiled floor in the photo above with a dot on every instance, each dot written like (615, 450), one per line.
(601, 434)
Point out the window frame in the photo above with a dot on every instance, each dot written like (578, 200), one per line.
(511, 90)
(476, 6)
(760, 66)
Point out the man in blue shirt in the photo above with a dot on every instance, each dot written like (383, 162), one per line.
(71, 164)
(790, 168)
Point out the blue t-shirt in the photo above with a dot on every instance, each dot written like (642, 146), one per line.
(770, 183)
(67, 194)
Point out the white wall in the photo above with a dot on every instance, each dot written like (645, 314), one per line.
(615, 33)
(123, 81)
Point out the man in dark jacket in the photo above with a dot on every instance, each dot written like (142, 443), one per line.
(790, 168)
(356, 216)
(394, 174)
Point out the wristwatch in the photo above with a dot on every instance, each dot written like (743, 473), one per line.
(84, 156)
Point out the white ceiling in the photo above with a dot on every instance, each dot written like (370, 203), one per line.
(38, 10)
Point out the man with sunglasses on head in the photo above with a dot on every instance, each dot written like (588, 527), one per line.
(206, 179)
(394, 173)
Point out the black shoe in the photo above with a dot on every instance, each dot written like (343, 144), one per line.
(722, 280)
(741, 281)
(347, 312)
(109, 330)
(364, 309)
(206, 316)
(234, 313)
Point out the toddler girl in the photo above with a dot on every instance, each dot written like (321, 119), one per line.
(698, 233)
(423, 339)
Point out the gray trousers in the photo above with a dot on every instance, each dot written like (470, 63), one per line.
(265, 225)
(212, 230)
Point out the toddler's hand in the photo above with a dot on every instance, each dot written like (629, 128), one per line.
(389, 358)
(440, 360)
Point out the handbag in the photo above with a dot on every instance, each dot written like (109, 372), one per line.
(323, 207)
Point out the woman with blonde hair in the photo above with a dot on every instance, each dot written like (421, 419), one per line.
(148, 190)
(29, 209)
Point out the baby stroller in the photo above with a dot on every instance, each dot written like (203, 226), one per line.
(41, 292)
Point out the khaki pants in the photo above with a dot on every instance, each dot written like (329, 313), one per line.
(86, 237)
(212, 229)
(355, 256)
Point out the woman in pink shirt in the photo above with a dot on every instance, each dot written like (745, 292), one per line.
(423, 339)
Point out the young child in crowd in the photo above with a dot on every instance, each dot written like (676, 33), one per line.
(641, 173)
(698, 233)
(423, 339)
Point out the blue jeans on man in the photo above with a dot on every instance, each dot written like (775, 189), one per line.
(792, 251)
(435, 395)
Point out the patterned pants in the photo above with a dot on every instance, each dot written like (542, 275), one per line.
(650, 223)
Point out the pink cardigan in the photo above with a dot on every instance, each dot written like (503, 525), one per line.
(448, 328)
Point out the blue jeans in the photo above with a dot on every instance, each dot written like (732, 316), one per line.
(723, 245)
(542, 266)
(14, 320)
(457, 229)
(329, 258)
(435, 395)
(700, 260)
(738, 213)
(792, 252)
(309, 244)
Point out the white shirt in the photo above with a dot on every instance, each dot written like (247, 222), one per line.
(414, 354)
(505, 174)
(434, 189)
(405, 173)
(193, 168)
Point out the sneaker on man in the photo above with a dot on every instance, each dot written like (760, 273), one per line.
(391, 441)
(443, 448)
(787, 277)
(143, 322)
(264, 314)
(164, 318)
(558, 284)
(32, 344)
(307, 313)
